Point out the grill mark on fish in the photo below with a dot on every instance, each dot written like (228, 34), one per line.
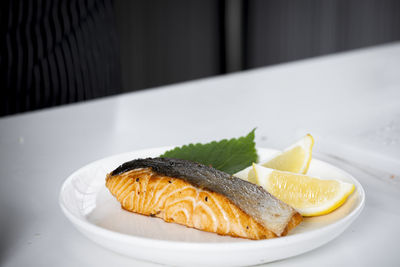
(119, 186)
(160, 194)
(142, 190)
(123, 188)
(204, 210)
(222, 212)
(249, 198)
(239, 221)
(166, 197)
(154, 190)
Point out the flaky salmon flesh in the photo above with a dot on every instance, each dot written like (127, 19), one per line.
(201, 197)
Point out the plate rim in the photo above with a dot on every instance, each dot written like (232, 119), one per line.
(188, 245)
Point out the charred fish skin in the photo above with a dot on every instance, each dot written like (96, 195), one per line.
(252, 199)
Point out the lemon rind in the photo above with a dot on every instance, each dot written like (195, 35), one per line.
(307, 146)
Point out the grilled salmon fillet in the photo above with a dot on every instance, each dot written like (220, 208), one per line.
(157, 187)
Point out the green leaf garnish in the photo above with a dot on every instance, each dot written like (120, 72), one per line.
(229, 156)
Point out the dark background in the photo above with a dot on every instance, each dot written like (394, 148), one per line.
(59, 52)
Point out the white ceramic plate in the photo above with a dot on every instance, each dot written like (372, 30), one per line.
(90, 207)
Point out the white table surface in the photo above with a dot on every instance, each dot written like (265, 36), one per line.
(341, 99)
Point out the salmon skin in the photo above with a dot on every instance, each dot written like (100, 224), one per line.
(248, 209)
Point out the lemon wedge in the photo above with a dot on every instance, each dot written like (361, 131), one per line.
(308, 195)
(296, 158)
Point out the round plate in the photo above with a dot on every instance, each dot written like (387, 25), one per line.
(97, 214)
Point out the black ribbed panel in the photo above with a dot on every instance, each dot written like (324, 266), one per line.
(285, 30)
(169, 41)
(56, 52)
